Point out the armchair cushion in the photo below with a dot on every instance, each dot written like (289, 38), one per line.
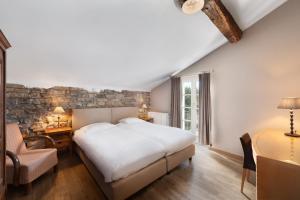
(34, 163)
(14, 139)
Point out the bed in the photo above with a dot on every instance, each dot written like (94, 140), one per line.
(172, 139)
(135, 158)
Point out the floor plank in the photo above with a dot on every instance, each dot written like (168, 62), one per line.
(210, 176)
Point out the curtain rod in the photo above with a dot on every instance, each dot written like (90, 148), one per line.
(193, 74)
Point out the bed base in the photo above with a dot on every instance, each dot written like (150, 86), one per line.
(175, 159)
(126, 187)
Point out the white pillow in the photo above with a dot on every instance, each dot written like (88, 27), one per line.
(97, 126)
(131, 120)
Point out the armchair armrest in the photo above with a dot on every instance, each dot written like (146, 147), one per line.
(16, 163)
(39, 137)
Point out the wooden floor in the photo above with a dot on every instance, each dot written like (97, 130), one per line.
(210, 176)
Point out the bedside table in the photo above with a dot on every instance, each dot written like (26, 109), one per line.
(147, 119)
(62, 137)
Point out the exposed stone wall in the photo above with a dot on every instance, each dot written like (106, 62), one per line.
(32, 107)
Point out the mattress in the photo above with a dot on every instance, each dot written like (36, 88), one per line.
(172, 139)
(115, 151)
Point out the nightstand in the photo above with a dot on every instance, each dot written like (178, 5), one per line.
(147, 119)
(62, 137)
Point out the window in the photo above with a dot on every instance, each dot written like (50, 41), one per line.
(190, 103)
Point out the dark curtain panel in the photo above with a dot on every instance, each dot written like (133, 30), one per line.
(204, 109)
(176, 102)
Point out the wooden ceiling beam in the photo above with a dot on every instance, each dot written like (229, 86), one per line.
(221, 17)
(3, 41)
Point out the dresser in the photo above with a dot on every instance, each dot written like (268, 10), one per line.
(4, 45)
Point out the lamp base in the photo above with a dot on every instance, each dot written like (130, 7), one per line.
(292, 134)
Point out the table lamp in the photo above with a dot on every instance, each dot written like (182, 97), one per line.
(58, 110)
(291, 103)
(145, 107)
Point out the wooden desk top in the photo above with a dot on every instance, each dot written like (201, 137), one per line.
(272, 143)
(57, 130)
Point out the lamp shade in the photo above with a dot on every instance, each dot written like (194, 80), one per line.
(291, 103)
(190, 6)
(59, 110)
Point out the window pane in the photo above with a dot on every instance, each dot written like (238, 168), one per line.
(187, 114)
(187, 125)
(187, 101)
(197, 119)
(187, 87)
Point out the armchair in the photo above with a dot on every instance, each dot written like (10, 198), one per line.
(25, 164)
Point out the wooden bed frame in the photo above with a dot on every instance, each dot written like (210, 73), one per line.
(124, 188)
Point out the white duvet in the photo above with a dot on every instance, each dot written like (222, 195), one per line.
(115, 151)
(172, 139)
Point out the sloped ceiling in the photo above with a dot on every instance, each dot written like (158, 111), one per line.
(116, 44)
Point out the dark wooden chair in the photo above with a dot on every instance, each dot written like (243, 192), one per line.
(249, 163)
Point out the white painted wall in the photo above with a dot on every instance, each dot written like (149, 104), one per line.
(251, 76)
(160, 97)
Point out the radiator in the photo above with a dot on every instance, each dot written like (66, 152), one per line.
(159, 118)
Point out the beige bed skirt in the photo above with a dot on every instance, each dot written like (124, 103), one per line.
(126, 187)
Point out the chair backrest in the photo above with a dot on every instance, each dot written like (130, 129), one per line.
(14, 139)
(248, 154)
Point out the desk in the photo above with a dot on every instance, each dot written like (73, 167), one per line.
(277, 160)
(273, 144)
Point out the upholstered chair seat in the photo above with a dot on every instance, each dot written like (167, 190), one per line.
(33, 164)
(25, 165)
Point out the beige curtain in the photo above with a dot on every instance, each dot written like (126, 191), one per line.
(175, 102)
(204, 108)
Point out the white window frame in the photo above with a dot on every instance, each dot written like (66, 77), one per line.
(194, 80)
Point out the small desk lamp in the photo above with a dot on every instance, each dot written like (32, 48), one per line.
(292, 104)
(145, 107)
(58, 110)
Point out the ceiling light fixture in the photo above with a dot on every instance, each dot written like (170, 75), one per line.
(190, 6)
